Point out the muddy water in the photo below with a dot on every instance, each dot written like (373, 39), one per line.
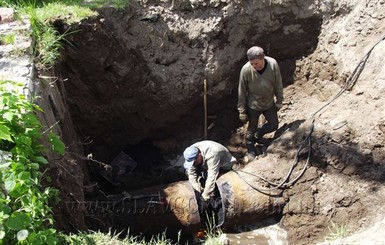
(265, 233)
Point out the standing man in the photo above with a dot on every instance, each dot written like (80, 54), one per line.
(259, 82)
(203, 162)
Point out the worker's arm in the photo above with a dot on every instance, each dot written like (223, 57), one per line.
(213, 166)
(278, 87)
(242, 92)
(193, 178)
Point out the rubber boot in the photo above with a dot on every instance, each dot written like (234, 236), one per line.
(259, 138)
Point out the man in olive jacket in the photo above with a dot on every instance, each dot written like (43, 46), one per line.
(260, 92)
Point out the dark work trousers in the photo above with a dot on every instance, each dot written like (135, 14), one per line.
(270, 126)
(214, 209)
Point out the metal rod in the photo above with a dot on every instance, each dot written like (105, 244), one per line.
(205, 106)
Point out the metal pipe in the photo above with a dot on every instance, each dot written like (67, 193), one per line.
(156, 209)
(243, 203)
(174, 207)
(205, 107)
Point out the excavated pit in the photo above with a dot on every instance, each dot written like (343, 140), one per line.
(128, 80)
(132, 82)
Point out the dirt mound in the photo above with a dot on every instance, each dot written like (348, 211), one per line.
(346, 189)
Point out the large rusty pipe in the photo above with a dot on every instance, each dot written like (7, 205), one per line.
(156, 209)
(244, 198)
(174, 207)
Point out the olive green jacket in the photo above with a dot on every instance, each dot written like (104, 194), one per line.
(257, 91)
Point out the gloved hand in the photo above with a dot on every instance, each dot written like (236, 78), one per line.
(205, 197)
(278, 106)
(204, 203)
(243, 117)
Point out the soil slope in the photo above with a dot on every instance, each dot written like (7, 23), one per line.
(347, 146)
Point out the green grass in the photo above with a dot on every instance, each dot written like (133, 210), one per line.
(100, 238)
(93, 4)
(336, 231)
(7, 39)
(42, 14)
(213, 233)
(69, 13)
(48, 41)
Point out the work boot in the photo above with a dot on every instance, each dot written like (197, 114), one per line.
(250, 146)
(260, 139)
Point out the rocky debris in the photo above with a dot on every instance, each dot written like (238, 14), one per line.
(6, 15)
(15, 59)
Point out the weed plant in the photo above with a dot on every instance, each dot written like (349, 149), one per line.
(336, 231)
(41, 14)
(25, 214)
(100, 238)
(213, 232)
(7, 39)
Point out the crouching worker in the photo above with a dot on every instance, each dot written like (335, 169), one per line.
(204, 162)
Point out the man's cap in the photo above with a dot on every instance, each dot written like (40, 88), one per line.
(190, 155)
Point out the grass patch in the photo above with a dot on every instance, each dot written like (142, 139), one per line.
(48, 41)
(7, 39)
(95, 4)
(70, 13)
(214, 235)
(99, 238)
(336, 231)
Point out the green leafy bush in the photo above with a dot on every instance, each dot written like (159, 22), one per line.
(25, 214)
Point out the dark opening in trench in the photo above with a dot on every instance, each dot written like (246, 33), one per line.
(134, 168)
